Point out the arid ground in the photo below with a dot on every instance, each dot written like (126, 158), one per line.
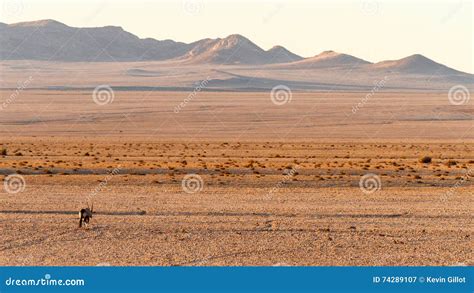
(233, 179)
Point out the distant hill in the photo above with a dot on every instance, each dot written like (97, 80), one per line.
(236, 49)
(52, 40)
(415, 64)
(233, 62)
(279, 54)
(327, 59)
(55, 41)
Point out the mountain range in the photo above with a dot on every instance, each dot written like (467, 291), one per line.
(54, 41)
(50, 40)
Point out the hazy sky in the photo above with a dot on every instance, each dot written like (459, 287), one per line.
(374, 30)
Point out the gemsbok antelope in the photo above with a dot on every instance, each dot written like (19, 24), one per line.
(85, 215)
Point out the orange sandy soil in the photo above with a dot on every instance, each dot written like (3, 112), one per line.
(252, 208)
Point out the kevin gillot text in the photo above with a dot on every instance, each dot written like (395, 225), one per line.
(446, 280)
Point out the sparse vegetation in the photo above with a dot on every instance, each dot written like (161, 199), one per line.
(153, 181)
(426, 160)
(451, 163)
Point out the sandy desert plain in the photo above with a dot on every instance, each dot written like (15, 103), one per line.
(279, 185)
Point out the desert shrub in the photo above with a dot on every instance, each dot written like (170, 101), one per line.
(451, 163)
(425, 160)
